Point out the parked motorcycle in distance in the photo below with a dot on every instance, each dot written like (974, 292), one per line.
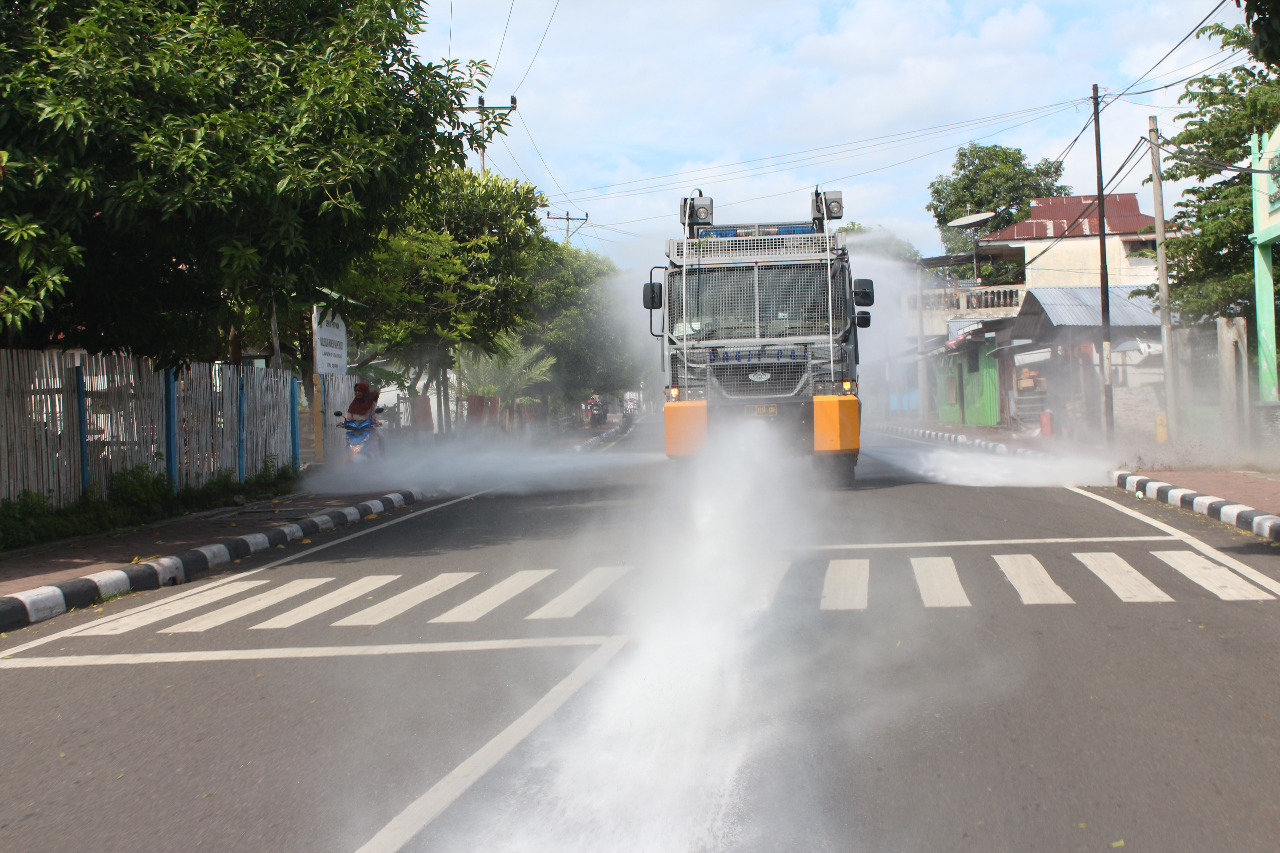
(363, 440)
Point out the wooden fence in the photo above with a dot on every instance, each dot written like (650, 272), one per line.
(68, 421)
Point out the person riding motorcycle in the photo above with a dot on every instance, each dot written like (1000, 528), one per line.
(363, 407)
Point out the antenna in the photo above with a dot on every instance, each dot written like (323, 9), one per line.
(970, 223)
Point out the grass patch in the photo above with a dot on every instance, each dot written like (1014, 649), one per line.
(134, 496)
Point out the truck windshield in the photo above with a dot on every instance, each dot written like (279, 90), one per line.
(752, 301)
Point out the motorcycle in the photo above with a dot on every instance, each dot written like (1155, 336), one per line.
(363, 440)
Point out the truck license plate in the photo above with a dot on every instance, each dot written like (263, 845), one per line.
(762, 410)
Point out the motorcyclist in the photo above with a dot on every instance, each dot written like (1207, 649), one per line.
(364, 406)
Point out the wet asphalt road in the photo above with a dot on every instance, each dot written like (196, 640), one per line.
(660, 657)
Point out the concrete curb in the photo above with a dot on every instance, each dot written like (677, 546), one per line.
(956, 438)
(1237, 515)
(597, 440)
(20, 609)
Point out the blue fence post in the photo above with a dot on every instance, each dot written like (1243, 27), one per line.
(295, 436)
(171, 428)
(240, 447)
(82, 412)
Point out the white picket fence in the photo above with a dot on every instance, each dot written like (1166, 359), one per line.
(224, 418)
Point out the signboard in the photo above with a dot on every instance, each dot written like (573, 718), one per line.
(330, 336)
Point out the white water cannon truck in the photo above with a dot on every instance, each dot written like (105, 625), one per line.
(761, 321)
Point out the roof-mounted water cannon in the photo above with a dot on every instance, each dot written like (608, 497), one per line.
(696, 211)
(826, 206)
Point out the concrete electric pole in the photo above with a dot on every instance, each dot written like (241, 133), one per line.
(567, 219)
(1108, 406)
(481, 108)
(1162, 280)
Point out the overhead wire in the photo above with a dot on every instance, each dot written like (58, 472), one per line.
(1169, 53)
(538, 151)
(700, 174)
(862, 173)
(539, 48)
(502, 43)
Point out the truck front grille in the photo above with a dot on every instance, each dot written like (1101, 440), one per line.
(770, 380)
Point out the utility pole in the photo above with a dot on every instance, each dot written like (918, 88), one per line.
(567, 219)
(1108, 408)
(1162, 279)
(481, 108)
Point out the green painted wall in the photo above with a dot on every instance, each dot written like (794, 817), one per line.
(981, 390)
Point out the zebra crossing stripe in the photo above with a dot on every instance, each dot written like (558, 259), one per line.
(1030, 579)
(1219, 580)
(496, 595)
(845, 585)
(231, 612)
(327, 602)
(588, 589)
(169, 609)
(939, 583)
(397, 604)
(1125, 581)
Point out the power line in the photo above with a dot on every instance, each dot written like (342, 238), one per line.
(503, 43)
(698, 174)
(514, 160)
(857, 174)
(539, 48)
(1193, 31)
(537, 151)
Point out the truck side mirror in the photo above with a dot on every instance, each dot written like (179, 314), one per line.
(863, 319)
(653, 295)
(864, 292)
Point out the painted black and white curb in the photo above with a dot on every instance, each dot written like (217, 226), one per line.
(957, 438)
(20, 609)
(1238, 515)
(608, 435)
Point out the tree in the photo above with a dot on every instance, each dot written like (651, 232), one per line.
(458, 273)
(172, 170)
(1211, 256)
(575, 321)
(994, 178)
(1263, 18)
(507, 373)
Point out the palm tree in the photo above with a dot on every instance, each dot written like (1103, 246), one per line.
(506, 373)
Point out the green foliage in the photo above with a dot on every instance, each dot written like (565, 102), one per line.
(994, 178)
(506, 373)
(458, 273)
(875, 240)
(134, 496)
(1263, 18)
(173, 168)
(1211, 258)
(577, 324)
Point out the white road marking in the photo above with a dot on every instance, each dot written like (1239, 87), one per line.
(1030, 579)
(231, 612)
(1208, 550)
(495, 596)
(397, 604)
(80, 629)
(326, 602)
(570, 602)
(1125, 581)
(966, 543)
(404, 826)
(1218, 580)
(166, 610)
(214, 655)
(845, 585)
(938, 581)
(768, 589)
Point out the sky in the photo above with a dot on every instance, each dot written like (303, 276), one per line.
(625, 108)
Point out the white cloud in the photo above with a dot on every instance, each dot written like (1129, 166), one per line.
(626, 91)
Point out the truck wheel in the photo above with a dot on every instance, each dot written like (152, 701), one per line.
(839, 469)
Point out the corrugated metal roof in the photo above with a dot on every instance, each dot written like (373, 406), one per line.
(1081, 306)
